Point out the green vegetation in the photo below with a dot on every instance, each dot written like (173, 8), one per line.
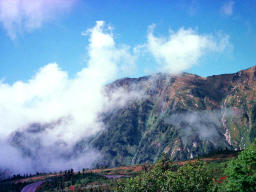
(11, 187)
(68, 181)
(166, 176)
(241, 172)
(222, 172)
(236, 175)
(12, 183)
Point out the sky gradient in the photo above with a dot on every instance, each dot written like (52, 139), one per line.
(55, 35)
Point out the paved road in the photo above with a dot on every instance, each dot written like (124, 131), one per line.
(31, 187)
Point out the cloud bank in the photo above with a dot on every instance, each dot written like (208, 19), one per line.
(202, 124)
(183, 48)
(44, 118)
(18, 16)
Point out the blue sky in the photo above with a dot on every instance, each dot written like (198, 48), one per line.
(59, 39)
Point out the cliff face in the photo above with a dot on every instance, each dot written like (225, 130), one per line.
(184, 116)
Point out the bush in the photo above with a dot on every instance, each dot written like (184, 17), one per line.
(190, 177)
(166, 176)
(241, 172)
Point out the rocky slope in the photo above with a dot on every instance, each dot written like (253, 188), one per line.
(184, 116)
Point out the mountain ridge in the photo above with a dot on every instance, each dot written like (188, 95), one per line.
(185, 116)
(142, 130)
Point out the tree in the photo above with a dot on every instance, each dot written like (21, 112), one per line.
(191, 177)
(166, 176)
(150, 180)
(241, 172)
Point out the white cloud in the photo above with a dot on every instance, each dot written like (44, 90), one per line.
(25, 15)
(227, 8)
(53, 112)
(200, 123)
(182, 49)
(66, 109)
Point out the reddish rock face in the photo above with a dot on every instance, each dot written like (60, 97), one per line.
(184, 115)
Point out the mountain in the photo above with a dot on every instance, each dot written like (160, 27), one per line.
(183, 115)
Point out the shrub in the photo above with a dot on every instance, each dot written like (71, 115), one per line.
(166, 176)
(241, 172)
(194, 176)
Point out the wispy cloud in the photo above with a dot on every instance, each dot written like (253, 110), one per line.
(227, 8)
(202, 124)
(183, 48)
(18, 16)
(49, 114)
(189, 7)
(44, 119)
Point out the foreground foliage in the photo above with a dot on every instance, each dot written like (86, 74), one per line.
(241, 172)
(69, 181)
(166, 176)
(12, 187)
(238, 176)
(219, 175)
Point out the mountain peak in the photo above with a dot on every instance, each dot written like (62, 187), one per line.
(183, 115)
(249, 74)
(253, 68)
